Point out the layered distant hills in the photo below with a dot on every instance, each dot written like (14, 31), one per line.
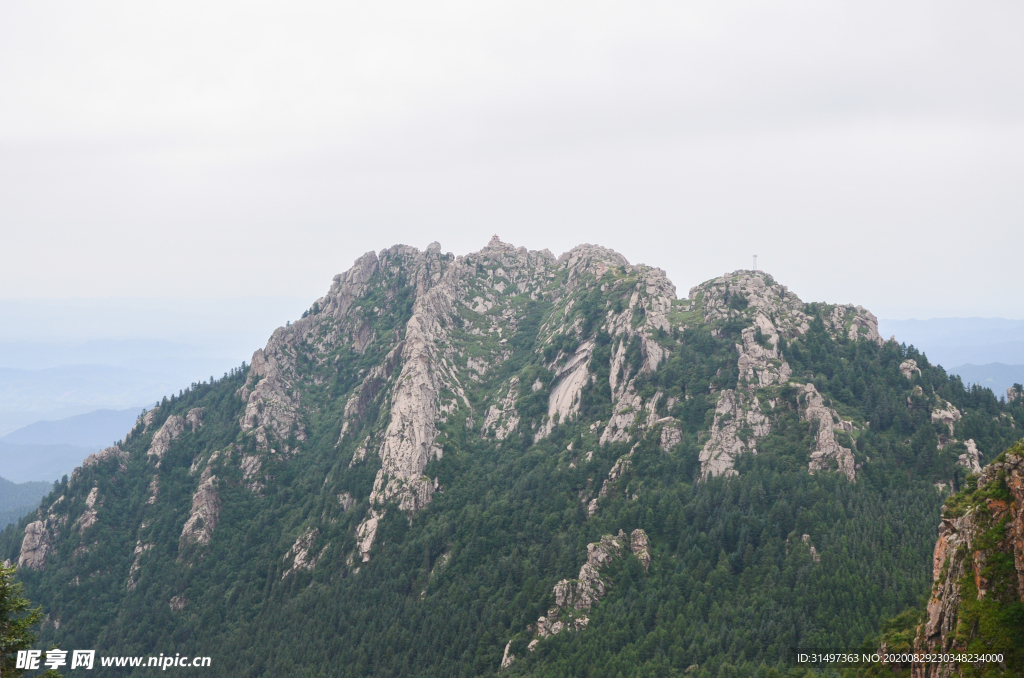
(47, 450)
(513, 462)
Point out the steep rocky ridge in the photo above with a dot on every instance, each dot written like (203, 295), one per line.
(767, 313)
(977, 599)
(574, 597)
(444, 436)
(976, 605)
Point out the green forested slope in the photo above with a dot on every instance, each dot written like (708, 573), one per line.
(450, 578)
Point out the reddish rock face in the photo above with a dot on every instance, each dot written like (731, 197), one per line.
(957, 555)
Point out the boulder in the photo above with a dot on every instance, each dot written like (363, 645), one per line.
(36, 544)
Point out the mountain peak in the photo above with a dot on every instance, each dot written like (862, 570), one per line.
(437, 424)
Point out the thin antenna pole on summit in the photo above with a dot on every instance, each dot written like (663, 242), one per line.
(755, 262)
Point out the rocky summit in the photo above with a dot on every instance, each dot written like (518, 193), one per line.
(513, 462)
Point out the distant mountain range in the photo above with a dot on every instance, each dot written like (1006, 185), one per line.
(44, 381)
(17, 499)
(23, 463)
(47, 450)
(94, 429)
(995, 376)
(985, 351)
(960, 341)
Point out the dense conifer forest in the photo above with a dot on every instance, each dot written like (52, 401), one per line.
(268, 574)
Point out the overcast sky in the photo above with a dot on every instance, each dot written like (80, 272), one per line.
(868, 152)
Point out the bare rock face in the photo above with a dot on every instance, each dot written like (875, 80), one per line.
(360, 453)
(640, 546)
(573, 597)
(762, 366)
(408, 441)
(194, 418)
(758, 294)
(806, 540)
(853, 322)
(36, 544)
(366, 532)
(968, 542)
(502, 418)
(271, 409)
(88, 518)
(1014, 393)
(153, 490)
(133, 571)
(251, 466)
(465, 311)
(589, 587)
(947, 415)
(618, 469)
(98, 458)
(670, 437)
(570, 378)
(301, 552)
(624, 413)
(203, 517)
(761, 363)
(162, 439)
(971, 459)
(827, 453)
(645, 316)
(507, 658)
(368, 390)
(428, 388)
(909, 367)
(735, 411)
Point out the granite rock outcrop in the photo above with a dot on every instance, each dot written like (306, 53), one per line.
(575, 597)
(978, 565)
(827, 453)
(971, 459)
(204, 514)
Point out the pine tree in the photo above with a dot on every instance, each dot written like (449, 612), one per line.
(16, 621)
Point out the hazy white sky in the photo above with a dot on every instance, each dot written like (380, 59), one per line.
(869, 152)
